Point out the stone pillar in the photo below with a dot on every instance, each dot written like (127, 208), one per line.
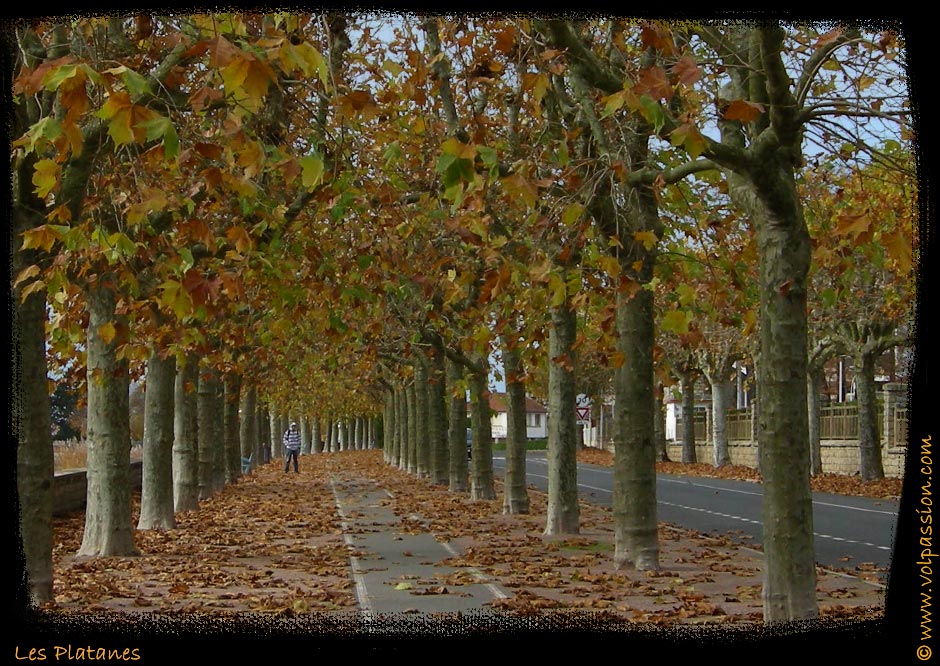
(895, 397)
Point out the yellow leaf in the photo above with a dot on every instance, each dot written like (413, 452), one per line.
(26, 273)
(107, 332)
(899, 249)
(675, 321)
(556, 287)
(31, 288)
(41, 237)
(648, 238)
(45, 177)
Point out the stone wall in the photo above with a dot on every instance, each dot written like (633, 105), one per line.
(839, 456)
(69, 489)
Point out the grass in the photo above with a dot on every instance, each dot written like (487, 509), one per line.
(74, 455)
(531, 445)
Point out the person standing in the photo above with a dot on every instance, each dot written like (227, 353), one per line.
(292, 445)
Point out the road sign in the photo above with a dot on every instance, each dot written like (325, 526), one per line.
(583, 413)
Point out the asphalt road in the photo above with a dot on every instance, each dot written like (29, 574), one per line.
(850, 531)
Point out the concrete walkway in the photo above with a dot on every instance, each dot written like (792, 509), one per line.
(398, 570)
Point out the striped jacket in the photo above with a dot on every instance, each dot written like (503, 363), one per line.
(292, 439)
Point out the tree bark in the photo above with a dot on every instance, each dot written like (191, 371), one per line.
(563, 513)
(437, 420)
(248, 434)
(232, 427)
(422, 441)
(634, 501)
(721, 398)
(109, 529)
(515, 494)
(411, 439)
(35, 461)
(869, 440)
(156, 497)
(316, 435)
(35, 458)
(482, 486)
(687, 383)
(457, 430)
(186, 437)
(783, 431)
(814, 409)
(659, 424)
(205, 456)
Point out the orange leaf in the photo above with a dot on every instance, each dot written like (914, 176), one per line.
(743, 110)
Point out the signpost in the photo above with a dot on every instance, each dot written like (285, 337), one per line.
(583, 409)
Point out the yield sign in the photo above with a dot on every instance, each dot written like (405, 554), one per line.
(583, 413)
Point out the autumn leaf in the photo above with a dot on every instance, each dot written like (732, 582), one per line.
(853, 224)
(45, 177)
(107, 332)
(675, 321)
(647, 238)
(43, 237)
(312, 168)
(743, 111)
(653, 82)
(899, 249)
(686, 70)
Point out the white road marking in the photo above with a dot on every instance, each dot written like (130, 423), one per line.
(741, 518)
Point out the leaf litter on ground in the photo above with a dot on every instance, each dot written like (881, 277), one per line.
(239, 552)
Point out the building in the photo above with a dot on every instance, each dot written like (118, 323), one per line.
(536, 417)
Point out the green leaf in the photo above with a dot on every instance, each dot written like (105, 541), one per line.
(54, 78)
(653, 112)
(312, 167)
(675, 321)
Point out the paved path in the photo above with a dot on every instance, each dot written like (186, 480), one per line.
(398, 569)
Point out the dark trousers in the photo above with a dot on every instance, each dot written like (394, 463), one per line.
(291, 453)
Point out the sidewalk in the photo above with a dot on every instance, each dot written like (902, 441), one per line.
(353, 539)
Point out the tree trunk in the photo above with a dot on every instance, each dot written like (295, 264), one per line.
(186, 437)
(869, 440)
(814, 407)
(634, 501)
(422, 441)
(218, 436)
(109, 529)
(247, 437)
(411, 440)
(687, 383)
(35, 461)
(156, 497)
(482, 486)
(437, 420)
(388, 433)
(659, 425)
(316, 435)
(232, 428)
(274, 433)
(721, 398)
(515, 494)
(35, 458)
(457, 429)
(783, 432)
(205, 405)
(563, 513)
